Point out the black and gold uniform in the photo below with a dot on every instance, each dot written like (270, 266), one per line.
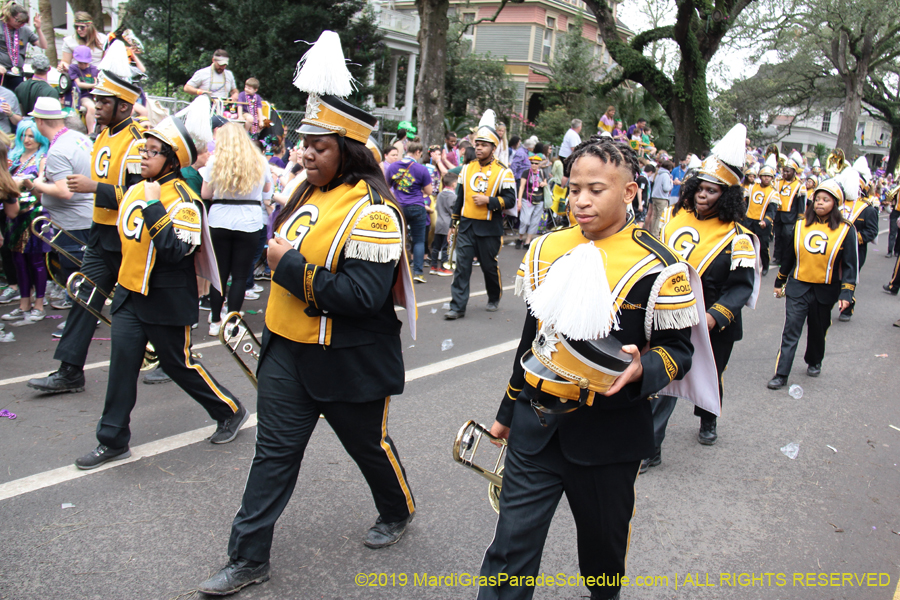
(791, 202)
(819, 269)
(115, 166)
(593, 454)
(762, 202)
(156, 300)
(480, 229)
(864, 217)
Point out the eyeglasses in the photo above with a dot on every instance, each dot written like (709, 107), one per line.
(85, 26)
(149, 153)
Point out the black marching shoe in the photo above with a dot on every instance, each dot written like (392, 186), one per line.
(777, 382)
(228, 429)
(653, 461)
(765, 271)
(492, 306)
(382, 535)
(814, 370)
(99, 455)
(887, 287)
(68, 378)
(453, 315)
(707, 435)
(157, 375)
(235, 576)
(844, 317)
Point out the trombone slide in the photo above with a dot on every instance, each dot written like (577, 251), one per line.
(240, 340)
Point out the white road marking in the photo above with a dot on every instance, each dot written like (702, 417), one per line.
(105, 363)
(55, 476)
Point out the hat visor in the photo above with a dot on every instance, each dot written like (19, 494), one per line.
(307, 129)
(711, 179)
(102, 92)
(533, 365)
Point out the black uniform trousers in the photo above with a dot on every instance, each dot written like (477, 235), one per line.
(102, 267)
(783, 228)
(807, 308)
(486, 248)
(764, 235)
(602, 503)
(895, 276)
(861, 251)
(892, 231)
(286, 418)
(173, 346)
(722, 344)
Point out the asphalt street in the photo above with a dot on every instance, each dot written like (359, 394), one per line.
(707, 519)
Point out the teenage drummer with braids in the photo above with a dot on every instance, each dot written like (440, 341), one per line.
(576, 410)
(705, 231)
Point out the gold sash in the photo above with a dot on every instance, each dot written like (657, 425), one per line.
(758, 201)
(487, 180)
(786, 190)
(816, 247)
(697, 241)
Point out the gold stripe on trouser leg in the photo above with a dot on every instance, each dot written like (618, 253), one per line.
(199, 368)
(395, 464)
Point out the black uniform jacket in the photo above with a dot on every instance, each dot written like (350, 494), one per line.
(725, 292)
(172, 288)
(843, 283)
(364, 361)
(614, 429)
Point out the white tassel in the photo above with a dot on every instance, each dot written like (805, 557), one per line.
(188, 237)
(196, 119)
(686, 315)
(372, 252)
(323, 69)
(520, 285)
(679, 318)
(731, 149)
(574, 297)
(743, 262)
(115, 61)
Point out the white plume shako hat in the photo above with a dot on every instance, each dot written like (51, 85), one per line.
(725, 163)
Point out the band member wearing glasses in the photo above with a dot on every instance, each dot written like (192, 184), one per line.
(160, 227)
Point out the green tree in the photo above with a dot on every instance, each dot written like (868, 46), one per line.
(574, 72)
(882, 92)
(259, 37)
(700, 26)
(476, 82)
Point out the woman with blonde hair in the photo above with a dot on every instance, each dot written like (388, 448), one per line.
(607, 120)
(236, 180)
(85, 35)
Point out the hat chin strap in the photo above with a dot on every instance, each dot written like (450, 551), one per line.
(540, 410)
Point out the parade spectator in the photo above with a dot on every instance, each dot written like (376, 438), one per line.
(519, 163)
(236, 179)
(607, 121)
(16, 37)
(84, 76)
(215, 80)
(659, 195)
(250, 106)
(10, 111)
(571, 139)
(85, 35)
(468, 156)
(502, 150)
(639, 127)
(411, 182)
(450, 154)
(390, 157)
(436, 167)
(28, 251)
(37, 87)
(443, 210)
(677, 179)
(642, 198)
(530, 202)
(618, 132)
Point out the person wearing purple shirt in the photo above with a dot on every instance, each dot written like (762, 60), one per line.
(520, 163)
(411, 182)
(84, 76)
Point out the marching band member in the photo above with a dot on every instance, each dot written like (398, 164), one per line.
(820, 268)
(331, 344)
(762, 203)
(161, 229)
(859, 211)
(115, 166)
(791, 203)
(597, 293)
(487, 187)
(704, 230)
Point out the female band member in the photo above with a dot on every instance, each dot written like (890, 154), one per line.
(820, 268)
(704, 229)
(160, 227)
(331, 345)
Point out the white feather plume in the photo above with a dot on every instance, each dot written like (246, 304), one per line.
(488, 119)
(817, 163)
(574, 298)
(731, 149)
(798, 160)
(323, 69)
(849, 180)
(196, 119)
(694, 162)
(772, 161)
(115, 61)
(861, 165)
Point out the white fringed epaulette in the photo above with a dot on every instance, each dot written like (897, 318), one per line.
(671, 304)
(186, 223)
(133, 168)
(743, 254)
(376, 236)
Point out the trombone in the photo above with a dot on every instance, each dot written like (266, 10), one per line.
(84, 292)
(39, 228)
(464, 448)
(237, 336)
(450, 263)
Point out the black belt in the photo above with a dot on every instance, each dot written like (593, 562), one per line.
(235, 202)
